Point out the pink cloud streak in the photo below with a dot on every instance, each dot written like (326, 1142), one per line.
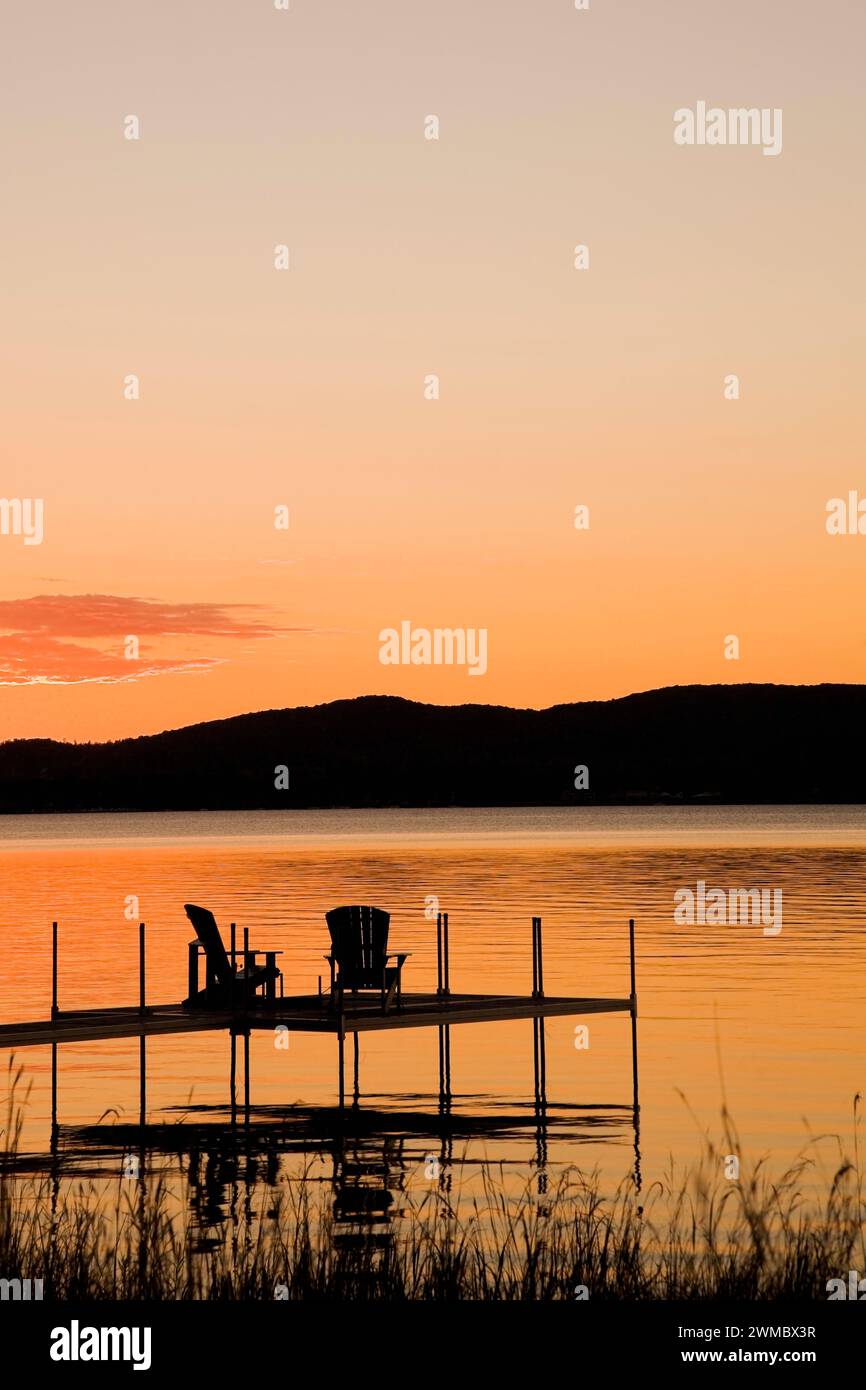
(35, 633)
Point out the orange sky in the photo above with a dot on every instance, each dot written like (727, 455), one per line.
(408, 257)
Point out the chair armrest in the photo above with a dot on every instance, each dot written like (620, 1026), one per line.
(398, 955)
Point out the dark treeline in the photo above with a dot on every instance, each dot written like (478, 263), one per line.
(726, 743)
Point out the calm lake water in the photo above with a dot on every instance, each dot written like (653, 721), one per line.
(777, 1020)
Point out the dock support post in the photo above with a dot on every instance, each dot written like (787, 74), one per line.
(537, 966)
(356, 1090)
(534, 959)
(341, 1063)
(246, 968)
(439, 953)
(443, 983)
(141, 985)
(54, 1009)
(233, 1073)
(142, 1041)
(633, 1012)
(233, 930)
(443, 989)
(246, 1075)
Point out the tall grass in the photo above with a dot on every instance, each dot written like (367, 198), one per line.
(693, 1235)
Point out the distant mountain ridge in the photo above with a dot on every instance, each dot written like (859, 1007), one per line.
(725, 743)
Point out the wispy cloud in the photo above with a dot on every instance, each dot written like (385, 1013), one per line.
(69, 639)
(27, 660)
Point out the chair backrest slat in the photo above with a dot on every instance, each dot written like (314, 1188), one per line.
(208, 934)
(359, 939)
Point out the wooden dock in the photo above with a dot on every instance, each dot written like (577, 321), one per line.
(302, 1013)
(338, 1014)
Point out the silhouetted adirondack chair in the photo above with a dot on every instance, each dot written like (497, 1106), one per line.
(359, 954)
(225, 985)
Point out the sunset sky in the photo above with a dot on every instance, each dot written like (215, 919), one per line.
(304, 388)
